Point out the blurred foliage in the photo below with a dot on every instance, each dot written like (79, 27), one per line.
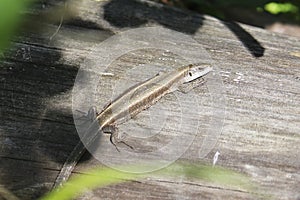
(218, 8)
(276, 8)
(101, 177)
(10, 18)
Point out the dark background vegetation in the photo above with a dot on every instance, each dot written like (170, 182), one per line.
(276, 15)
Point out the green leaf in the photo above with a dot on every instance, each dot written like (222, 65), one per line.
(276, 8)
(10, 17)
(101, 177)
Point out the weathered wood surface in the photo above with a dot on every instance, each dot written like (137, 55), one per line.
(261, 76)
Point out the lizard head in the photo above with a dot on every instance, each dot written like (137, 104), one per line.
(195, 71)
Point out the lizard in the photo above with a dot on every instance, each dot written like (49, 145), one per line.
(135, 99)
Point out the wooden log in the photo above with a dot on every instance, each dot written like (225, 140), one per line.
(259, 69)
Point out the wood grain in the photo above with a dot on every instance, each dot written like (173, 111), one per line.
(260, 74)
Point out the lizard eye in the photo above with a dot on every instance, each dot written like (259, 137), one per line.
(190, 74)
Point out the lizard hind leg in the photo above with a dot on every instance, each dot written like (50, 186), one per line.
(120, 140)
(113, 142)
(115, 137)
